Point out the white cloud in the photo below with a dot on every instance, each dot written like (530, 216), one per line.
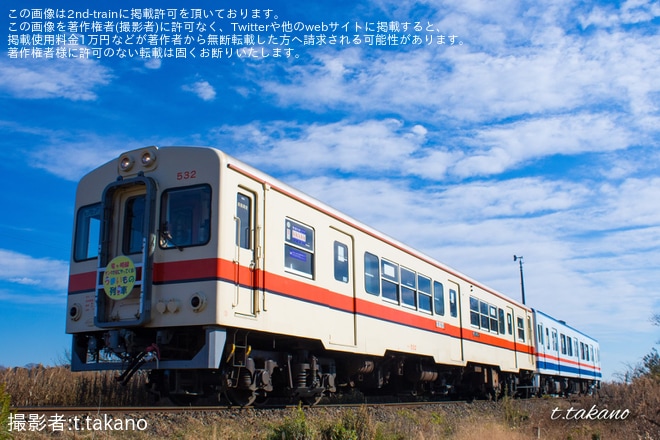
(74, 79)
(202, 89)
(73, 160)
(45, 273)
(153, 63)
(503, 147)
(368, 146)
(629, 12)
(539, 69)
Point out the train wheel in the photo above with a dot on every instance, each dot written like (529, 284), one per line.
(261, 399)
(240, 397)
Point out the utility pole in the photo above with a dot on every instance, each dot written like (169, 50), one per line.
(522, 281)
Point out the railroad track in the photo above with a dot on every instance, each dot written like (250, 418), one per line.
(113, 410)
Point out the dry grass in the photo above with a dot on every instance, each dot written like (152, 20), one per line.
(508, 419)
(58, 386)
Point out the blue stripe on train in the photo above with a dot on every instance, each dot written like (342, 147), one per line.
(546, 367)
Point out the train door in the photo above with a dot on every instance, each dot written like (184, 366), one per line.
(247, 253)
(342, 282)
(127, 243)
(456, 351)
(511, 333)
(540, 342)
(530, 340)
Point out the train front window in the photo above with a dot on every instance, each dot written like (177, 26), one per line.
(134, 225)
(88, 227)
(185, 217)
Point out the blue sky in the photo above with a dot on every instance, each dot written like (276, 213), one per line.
(536, 133)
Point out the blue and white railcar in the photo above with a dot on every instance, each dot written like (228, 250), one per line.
(568, 360)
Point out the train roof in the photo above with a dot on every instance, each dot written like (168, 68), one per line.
(286, 189)
(563, 323)
(277, 185)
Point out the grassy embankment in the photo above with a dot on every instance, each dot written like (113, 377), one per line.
(618, 411)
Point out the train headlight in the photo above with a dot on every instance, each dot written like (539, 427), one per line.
(148, 158)
(126, 163)
(75, 312)
(198, 301)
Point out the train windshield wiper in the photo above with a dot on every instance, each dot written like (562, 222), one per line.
(166, 235)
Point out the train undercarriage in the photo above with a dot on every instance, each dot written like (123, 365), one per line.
(255, 367)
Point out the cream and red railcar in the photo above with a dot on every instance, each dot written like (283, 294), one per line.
(221, 280)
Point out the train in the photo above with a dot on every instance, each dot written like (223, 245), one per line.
(219, 282)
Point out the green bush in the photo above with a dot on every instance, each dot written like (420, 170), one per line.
(5, 400)
(295, 427)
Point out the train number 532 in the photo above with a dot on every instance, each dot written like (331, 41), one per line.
(185, 175)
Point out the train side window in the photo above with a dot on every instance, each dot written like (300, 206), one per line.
(424, 293)
(453, 305)
(501, 319)
(474, 311)
(509, 323)
(438, 298)
(493, 318)
(299, 249)
(521, 329)
(88, 229)
(582, 351)
(134, 225)
(390, 280)
(243, 221)
(562, 338)
(185, 217)
(539, 334)
(569, 346)
(341, 262)
(408, 287)
(483, 311)
(371, 274)
(547, 338)
(554, 340)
